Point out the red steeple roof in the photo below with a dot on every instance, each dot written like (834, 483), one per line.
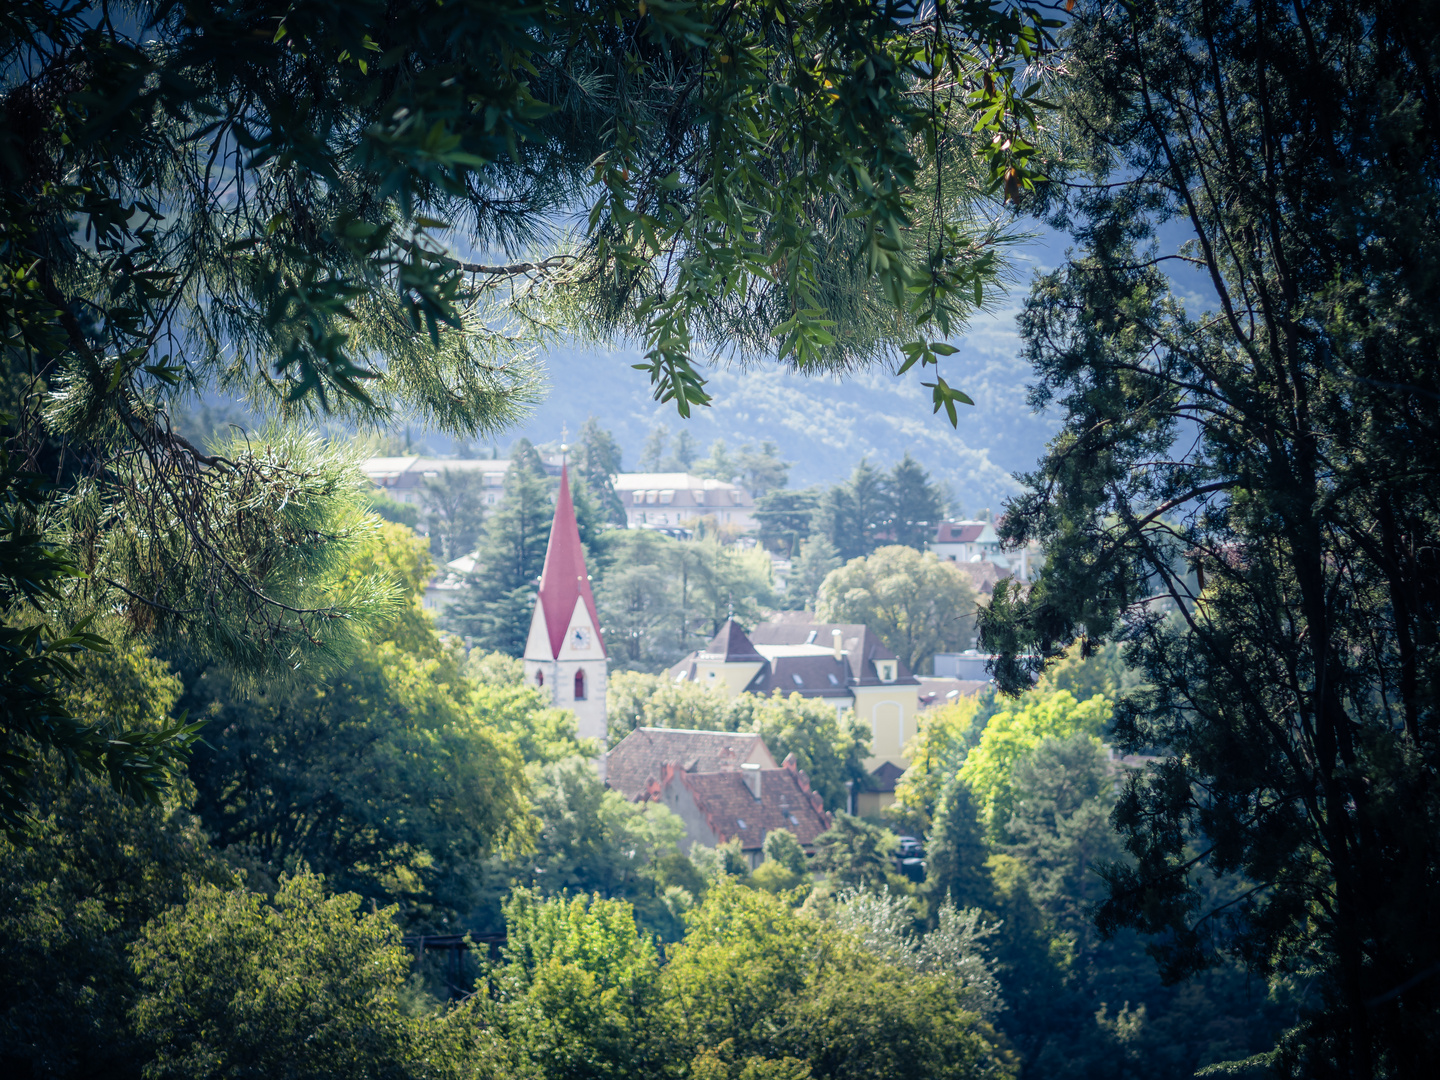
(564, 579)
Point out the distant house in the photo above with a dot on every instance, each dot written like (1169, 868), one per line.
(640, 758)
(748, 802)
(975, 547)
(937, 692)
(675, 499)
(844, 664)
(401, 478)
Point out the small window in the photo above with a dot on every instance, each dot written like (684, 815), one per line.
(580, 685)
(539, 678)
(833, 680)
(798, 680)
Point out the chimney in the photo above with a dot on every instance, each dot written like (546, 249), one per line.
(750, 773)
(835, 637)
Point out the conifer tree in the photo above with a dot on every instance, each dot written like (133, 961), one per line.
(597, 460)
(916, 505)
(499, 598)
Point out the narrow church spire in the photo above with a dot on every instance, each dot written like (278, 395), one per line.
(564, 580)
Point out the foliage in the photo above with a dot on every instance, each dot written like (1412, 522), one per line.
(661, 598)
(755, 982)
(78, 886)
(578, 994)
(634, 699)
(785, 867)
(852, 515)
(855, 854)
(597, 461)
(387, 778)
(956, 852)
(307, 986)
(884, 925)
(916, 505)
(392, 778)
(818, 558)
(785, 851)
(1014, 731)
(784, 518)
(498, 602)
(918, 604)
(589, 839)
(945, 735)
(454, 506)
(1242, 494)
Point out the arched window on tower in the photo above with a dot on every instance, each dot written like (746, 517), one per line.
(539, 678)
(580, 685)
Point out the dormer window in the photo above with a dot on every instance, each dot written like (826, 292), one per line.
(887, 670)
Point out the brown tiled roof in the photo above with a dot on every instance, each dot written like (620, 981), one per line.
(642, 755)
(730, 644)
(951, 533)
(983, 575)
(884, 776)
(786, 802)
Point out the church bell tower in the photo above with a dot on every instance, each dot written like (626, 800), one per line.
(565, 653)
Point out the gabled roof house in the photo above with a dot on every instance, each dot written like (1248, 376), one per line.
(640, 758)
(843, 663)
(748, 802)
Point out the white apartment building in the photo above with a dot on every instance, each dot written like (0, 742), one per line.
(669, 499)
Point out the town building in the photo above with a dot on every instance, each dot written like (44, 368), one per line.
(975, 547)
(935, 692)
(844, 664)
(639, 759)
(747, 802)
(403, 478)
(679, 499)
(565, 652)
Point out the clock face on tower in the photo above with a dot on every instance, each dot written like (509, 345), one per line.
(580, 637)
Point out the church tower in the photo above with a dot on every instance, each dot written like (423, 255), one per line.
(565, 654)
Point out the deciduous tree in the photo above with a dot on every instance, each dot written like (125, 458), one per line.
(918, 604)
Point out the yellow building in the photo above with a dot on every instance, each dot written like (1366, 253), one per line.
(842, 663)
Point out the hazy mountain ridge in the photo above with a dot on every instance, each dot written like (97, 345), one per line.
(824, 425)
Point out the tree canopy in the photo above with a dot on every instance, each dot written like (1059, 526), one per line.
(1243, 490)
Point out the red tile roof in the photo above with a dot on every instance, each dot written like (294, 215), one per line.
(951, 533)
(642, 755)
(786, 802)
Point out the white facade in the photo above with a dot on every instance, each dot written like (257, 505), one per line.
(674, 499)
(575, 679)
